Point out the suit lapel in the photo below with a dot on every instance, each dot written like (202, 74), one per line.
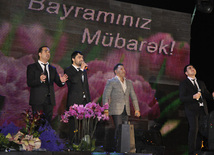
(78, 74)
(199, 84)
(39, 67)
(127, 86)
(84, 73)
(50, 72)
(190, 84)
(73, 69)
(119, 84)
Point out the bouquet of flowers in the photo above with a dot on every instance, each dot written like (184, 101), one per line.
(28, 137)
(28, 142)
(37, 134)
(86, 118)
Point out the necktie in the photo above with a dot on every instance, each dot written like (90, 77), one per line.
(46, 73)
(79, 70)
(194, 83)
(82, 74)
(199, 90)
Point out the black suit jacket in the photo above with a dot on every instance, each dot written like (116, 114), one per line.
(76, 87)
(186, 92)
(38, 90)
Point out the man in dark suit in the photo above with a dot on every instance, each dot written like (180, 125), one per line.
(40, 78)
(193, 93)
(78, 89)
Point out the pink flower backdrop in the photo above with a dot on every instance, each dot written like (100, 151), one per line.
(19, 48)
(153, 56)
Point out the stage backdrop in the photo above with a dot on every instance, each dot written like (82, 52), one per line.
(153, 45)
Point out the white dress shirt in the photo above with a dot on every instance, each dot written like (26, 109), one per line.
(191, 79)
(79, 68)
(123, 84)
(43, 68)
(47, 68)
(199, 90)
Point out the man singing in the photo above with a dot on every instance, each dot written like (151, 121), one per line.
(78, 89)
(40, 78)
(193, 93)
(117, 92)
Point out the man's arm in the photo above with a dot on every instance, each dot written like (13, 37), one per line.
(33, 79)
(183, 94)
(107, 92)
(59, 79)
(87, 87)
(66, 71)
(134, 101)
(206, 92)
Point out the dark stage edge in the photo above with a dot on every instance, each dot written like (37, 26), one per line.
(88, 153)
(71, 153)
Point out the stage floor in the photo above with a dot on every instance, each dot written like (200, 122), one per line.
(71, 153)
(86, 153)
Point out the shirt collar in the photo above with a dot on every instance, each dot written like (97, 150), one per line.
(119, 78)
(192, 78)
(77, 68)
(41, 63)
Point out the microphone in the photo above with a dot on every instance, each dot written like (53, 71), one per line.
(200, 98)
(86, 66)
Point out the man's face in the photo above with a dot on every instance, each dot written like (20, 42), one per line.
(120, 71)
(78, 60)
(44, 54)
(191, 71)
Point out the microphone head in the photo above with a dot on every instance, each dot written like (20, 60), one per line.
(86, 67)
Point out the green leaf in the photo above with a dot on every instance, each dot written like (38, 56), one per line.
(167, 97)
(93, 146)
(100, 99)
(94, 53)
(6, 47)
(170, 108)
(57, 36)
(161, 72)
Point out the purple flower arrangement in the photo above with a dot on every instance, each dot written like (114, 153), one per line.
(9, 128)
(86, 119)
(50, 140)
(90, 110)
(34, 131)
(33, 121)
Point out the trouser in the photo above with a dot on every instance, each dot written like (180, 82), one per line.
(46, 108)
(194, 138)
(119, 119)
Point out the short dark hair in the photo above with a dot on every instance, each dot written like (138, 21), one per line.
(74, 54)
(116, 67)
(185, 68)
(40, 50)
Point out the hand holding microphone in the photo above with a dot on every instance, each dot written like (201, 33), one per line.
(197, 95)
(84, 66)
(43, 77)
(200, 98)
